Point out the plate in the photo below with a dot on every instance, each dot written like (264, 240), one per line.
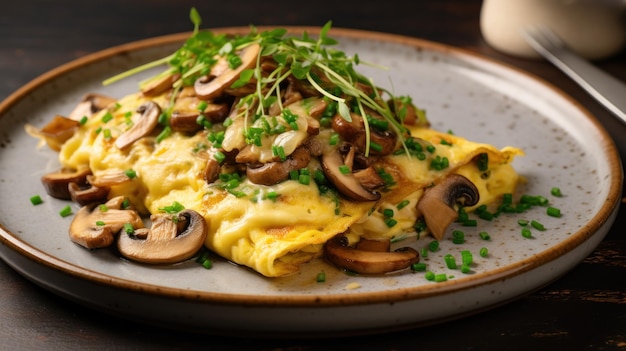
(472, 96)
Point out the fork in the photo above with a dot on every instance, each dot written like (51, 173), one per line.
(606, 89)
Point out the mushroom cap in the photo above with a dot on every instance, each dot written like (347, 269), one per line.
(171, 239)
(364, 261)
(437, 204)
(148, 120)
(346, 184)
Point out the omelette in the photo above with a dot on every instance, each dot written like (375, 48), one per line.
(276, 151)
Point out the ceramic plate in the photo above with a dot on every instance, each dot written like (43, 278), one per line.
(467, 94)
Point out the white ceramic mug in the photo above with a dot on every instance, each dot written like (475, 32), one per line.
(594, 29)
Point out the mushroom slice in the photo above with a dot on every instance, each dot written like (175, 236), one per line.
(171, 239)
(56, 132)
(207, 88)
(159, 84)
(274, 172)
(57, 183)
(437, 204)
(109, 177)
(96, 226)
(90, 104)
(337, 251)
(346, 183)
(84, 195)
(149, 117)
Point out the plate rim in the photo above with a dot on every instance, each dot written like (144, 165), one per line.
(589, 229)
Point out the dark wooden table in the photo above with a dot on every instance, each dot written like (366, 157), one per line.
(584, 310)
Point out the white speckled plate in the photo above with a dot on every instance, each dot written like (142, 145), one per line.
(472, 96)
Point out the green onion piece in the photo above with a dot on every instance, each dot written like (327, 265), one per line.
(450, 261)
(442, 277)
(130, 173)
(103, 208)
(484, 235)
(219, 157)
(334, 139)
(100, 223)
(128, 228)
(390, 222)
(458, 237)
(537, 225)
(272, 195)
(321, 277)
(125, 204)
(424, 252)
(470, 223)
(304, 179)
(507, 199)
(418, 267)
(207, 264)
(482, 161)
(202, 105)
(36, 200)
(387, 212)
(522, 222)
(465, 269)
(344, 169)
(429, 276)
(553, 212)
(106, 133)
(526, 233)
(83, 120)
(466, 257)
(484, 252)
(166, 132)
(433, 245)
(402, 204)
(175, 207)
(107, 117)
(65, 211)
(556, 192)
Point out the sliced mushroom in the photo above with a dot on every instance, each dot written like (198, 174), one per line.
(159, 85)
(149, 116)
(57, 183)
(87, 194)
(437, 204)
(362, 261)
(346, 183)
(90, 104)
(354, 132)
(369, 178)
(407, 112)
(207, 88)
(274, 172)
(212, 170)
(171, 239)
(94, 226)
(108, 178)
(56, 132)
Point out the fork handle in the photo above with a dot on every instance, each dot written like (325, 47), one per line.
(605, 88)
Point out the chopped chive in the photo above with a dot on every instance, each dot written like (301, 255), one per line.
(433, 245)
(556, 192)
(65, 211)
(321, 277)
(202, 105)
(36, 200)
(107, 117)
(207, 264)
(166, 132)
(219, 157)
(465, 269)
(526, 233)
(429, 276)
(334, 139)
(344, 169)
(522, 222)
(442, 277)
(537, 225)
(418, 267)
(484, 252)
(130, 173)
(450, 261)
(402, 204)
(83, 120)
(390, 222)
(304, 179)
(103, 208)
(484, 235)
(470, 223)
(458, 237)
(387, 212)
(106, 133)
(128, 229)
(100, 223)
(466, 257)
(553, 212)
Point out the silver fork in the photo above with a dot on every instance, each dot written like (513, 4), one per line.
(605, 88)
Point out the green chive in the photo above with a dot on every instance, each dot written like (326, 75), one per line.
(304, 179)
(321, 277)
(219, 157)
(390, 222)
(466, 257)
(107, 117)
(522, 222)
(202, 105)
(36, 200)
(418, 267)
(526, 233)
(553, 212)
(100, 223)
(556, 192)
(344, 169)
(484, 235)
(83, 120)
(387, 212)
(402, 204)
(450, 261)
(442, 277)
(537, 225)
(458, 237)
(429, 276)
(128, 229)
(103, 208)
(130, 173)
(484, 252)
(65, 211)
(433, 245)
(465, 269)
